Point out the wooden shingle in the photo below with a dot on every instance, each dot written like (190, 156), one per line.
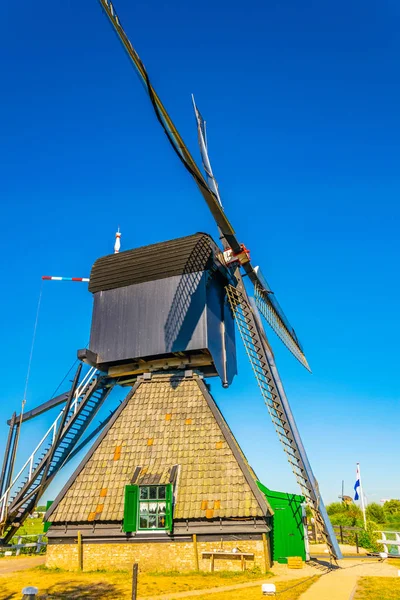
(213, 479)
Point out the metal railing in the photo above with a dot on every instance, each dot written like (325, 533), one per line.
(390, 541)
(26, 544)
(49, 437)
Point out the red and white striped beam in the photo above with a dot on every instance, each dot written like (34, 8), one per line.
(48, 278)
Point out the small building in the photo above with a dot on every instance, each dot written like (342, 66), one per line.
(289, 529)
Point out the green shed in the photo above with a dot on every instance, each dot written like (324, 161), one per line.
(288, 534)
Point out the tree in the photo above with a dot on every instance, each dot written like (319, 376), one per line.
(392, 507)
(335, 508)
(376, 513)
(344, 514)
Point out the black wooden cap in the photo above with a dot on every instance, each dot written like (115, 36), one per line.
(189, 254)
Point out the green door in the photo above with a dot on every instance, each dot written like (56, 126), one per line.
(287, 524)
(288, 537)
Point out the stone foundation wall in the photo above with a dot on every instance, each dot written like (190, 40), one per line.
(174, 556)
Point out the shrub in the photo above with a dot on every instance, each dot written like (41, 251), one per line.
(367, 538)
(341, 519)
(376, 513)
(392, 507)
(334, 508)
(393, 522)
(344, 514)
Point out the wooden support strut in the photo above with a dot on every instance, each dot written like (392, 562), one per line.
(196, 554)
(80, 552)
(136, 368)
(135, 571)
(59, 433)
(7, 455)
(267, 555)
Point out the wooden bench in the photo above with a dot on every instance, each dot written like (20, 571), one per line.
(224, 554)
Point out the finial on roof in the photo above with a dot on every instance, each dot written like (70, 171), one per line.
(117, 244)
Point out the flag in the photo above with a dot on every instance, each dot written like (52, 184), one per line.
(202, 135)
(357, 484)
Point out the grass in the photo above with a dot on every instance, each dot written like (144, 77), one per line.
(395, 562)
(374, 588)
(64, 585)
(287, 590)
(31, 526)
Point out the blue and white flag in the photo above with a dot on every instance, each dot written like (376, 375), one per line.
(357, 484)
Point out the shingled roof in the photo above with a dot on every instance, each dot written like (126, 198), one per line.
(168, 428)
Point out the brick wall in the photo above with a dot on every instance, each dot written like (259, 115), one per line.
(175, 556)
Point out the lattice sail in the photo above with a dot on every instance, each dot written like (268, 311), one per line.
(265, 305)
(262, 362)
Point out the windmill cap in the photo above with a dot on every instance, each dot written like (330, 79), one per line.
(189, 254)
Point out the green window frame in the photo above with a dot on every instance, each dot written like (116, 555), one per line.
(148, 508)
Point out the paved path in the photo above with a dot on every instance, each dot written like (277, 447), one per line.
(340, 584)
(17, 563)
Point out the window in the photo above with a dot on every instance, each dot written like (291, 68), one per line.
(148, 507)
(152, 507)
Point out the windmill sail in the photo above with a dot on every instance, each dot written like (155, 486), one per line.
(202, 135)
(267, 376)
(171, 131)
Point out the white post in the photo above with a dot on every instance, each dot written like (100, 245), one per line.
(19, 540)
(362, 496)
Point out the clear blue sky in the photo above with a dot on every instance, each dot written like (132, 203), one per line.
(302, 104)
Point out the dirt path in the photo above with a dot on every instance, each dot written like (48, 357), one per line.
(336, 585)
(281, 573)
(340, 583)
(20, 563)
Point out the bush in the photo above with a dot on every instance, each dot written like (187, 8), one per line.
(334, 508)
(367, 538)
(392, 507)
(376, 513)
(393, 522)
(344, 514)
(341, 519)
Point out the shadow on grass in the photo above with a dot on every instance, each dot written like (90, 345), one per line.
(5, 595)
(74, 590)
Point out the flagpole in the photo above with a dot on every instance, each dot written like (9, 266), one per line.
(362, 497)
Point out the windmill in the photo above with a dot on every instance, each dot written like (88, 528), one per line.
(198, 281)
(245, 310)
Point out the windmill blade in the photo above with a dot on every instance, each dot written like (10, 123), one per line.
(266, 301)
(276, 317)
(202, 137)
(267, 376)
(171, 131)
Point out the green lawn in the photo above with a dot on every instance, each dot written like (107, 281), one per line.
(31, 526)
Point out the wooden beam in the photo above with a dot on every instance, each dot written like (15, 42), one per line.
(159, 364)
(267, 554)
(196, 554)
(80, 552)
